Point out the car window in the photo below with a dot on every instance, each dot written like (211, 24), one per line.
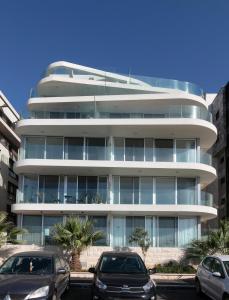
(226, 265)
(217, 267)
(27, 265)
(207, 263)
(121, 264)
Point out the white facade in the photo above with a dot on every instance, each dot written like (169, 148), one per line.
(127, 151)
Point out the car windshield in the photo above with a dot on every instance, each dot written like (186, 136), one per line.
(32, 265)
(226, 265)
(121, 264)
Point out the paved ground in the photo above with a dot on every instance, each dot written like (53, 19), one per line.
(164, 293)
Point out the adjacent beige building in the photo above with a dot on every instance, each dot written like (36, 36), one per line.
(9, 144)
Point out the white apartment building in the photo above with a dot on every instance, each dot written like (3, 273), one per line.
(9, 145)
(127, 151)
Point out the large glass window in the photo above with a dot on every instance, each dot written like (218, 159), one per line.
(167, 232)
(129, 190)
(34, 147)
(165, 190)
(49, 222)
(48, 189)
(185, 150)
(73, 148)
(119, 231)
(71, 189)
(30, 188)
(187, 231)
(100, 224)
(118, 148)
(33, 225)
(134, 149)
(91, 189)
(96, 148)
(149, 149)
(102, 192)
(146, 196)
(131, 224)
(186, 191)
(54, 147)
(82, 189)
(163, 150)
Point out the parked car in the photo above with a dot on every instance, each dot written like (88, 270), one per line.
(36, 274)
(122, 275)
(212, 277)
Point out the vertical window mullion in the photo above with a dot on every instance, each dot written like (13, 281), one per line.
(38, 183)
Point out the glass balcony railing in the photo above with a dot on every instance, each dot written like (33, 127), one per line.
(184, 86)
(178, 111)
(207, 199)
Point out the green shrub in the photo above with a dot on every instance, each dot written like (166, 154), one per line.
(175, 267)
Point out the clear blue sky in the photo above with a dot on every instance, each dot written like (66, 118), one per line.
(181, 39)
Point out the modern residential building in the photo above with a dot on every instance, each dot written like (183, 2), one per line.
(9, 145)
(220, 151)
(126, 151)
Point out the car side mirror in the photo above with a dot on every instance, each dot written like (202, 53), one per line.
(217, 274)
(91, 270)
(61, 271)
(152, 271)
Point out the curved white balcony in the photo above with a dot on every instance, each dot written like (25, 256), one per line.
(158, 128)
(206, 173)
(71, 79)
(127, 102)
(205, 212)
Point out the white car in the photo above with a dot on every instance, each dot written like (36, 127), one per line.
(212, 277)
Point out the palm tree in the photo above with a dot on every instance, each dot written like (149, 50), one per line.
(75, 236)
(141, 238)
(8, 232)
(216, 242)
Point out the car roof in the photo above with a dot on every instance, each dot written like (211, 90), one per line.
(221, 257)
(120, 253)
(36, 253)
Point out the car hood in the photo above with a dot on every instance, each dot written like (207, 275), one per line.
(124, 279)
(22, 284)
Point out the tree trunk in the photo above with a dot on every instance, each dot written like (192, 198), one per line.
(75, 262)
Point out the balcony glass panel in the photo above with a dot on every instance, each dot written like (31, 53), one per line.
(82, 189)
(134, 149)
(118, 148)
(54, 148)
(164, 150)
(96, 148)
(48, 189)
(149, 149)
(126, 190)
(167, 232)
(30, 189)
(165, 190)
(185, 151)
(186, 191)
(116, 189)
(146, 196)
(49, 222)
(91, 189)
(131, 224)
(35, 147)
(102, 192)
(71, 189)
(206, 199)
(187, 231)
(56, 115)
(73, 148)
